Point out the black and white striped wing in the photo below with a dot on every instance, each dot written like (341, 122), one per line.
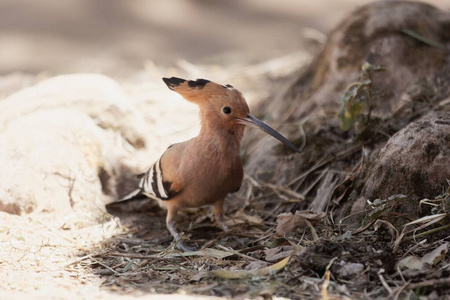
(152, 183)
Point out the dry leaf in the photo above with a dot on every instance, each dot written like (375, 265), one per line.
(435, 256)
(275, 254)
(324, 193)
(258, 264)
(199, 276)
(410, 262)
(349, 269)
(289, 222)
(205, 252)
(242, 218)
(429, 259)
(252, 273)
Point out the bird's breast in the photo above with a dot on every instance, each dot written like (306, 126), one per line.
(211, 178)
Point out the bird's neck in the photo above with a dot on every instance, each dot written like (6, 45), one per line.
(226, 140)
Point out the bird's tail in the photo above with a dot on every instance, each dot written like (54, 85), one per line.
(135, 195)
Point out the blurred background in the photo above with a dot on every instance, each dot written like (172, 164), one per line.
(117, 37)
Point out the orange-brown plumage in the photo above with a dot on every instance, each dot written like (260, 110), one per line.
(205, 169)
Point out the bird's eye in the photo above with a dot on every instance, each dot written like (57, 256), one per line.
(226, 110)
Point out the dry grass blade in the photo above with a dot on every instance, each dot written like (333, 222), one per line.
(325, 159)
(364, 228)
(324, 193)
(270, 270)
(211, 252)
(385, 285)
(313, 230)
(428, 220)
(288, 222)
(423, 39)
(286, 191)
(324, 290)
(435, 283)
(428, 232)
(397, 242)
(391, 227)
(238, 253)
(75, 261)
(429, 202)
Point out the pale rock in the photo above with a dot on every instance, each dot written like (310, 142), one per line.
(64, 144)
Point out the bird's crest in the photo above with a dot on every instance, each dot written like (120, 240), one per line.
(197, 90)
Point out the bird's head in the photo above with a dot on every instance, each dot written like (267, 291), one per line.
(221, 106)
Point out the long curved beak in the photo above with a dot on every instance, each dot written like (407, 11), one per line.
(255, 122)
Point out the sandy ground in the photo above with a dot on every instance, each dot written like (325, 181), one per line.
(137, 42)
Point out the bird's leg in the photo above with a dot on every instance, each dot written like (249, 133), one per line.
(171, 225)
(170, 222)
(218, 215)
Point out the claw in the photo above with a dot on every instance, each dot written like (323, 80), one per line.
(223, 226)
(182, 246)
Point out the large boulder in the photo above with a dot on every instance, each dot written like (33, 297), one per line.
(414, 162)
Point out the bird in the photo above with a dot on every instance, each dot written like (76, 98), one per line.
(205, 169)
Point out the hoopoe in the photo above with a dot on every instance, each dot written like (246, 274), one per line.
(205, 169)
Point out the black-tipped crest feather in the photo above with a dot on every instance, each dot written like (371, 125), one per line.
(173, 82)
(199, 83)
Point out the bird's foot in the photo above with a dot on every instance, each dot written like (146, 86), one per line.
(180, 244)
(223, 225)
(220, 219)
